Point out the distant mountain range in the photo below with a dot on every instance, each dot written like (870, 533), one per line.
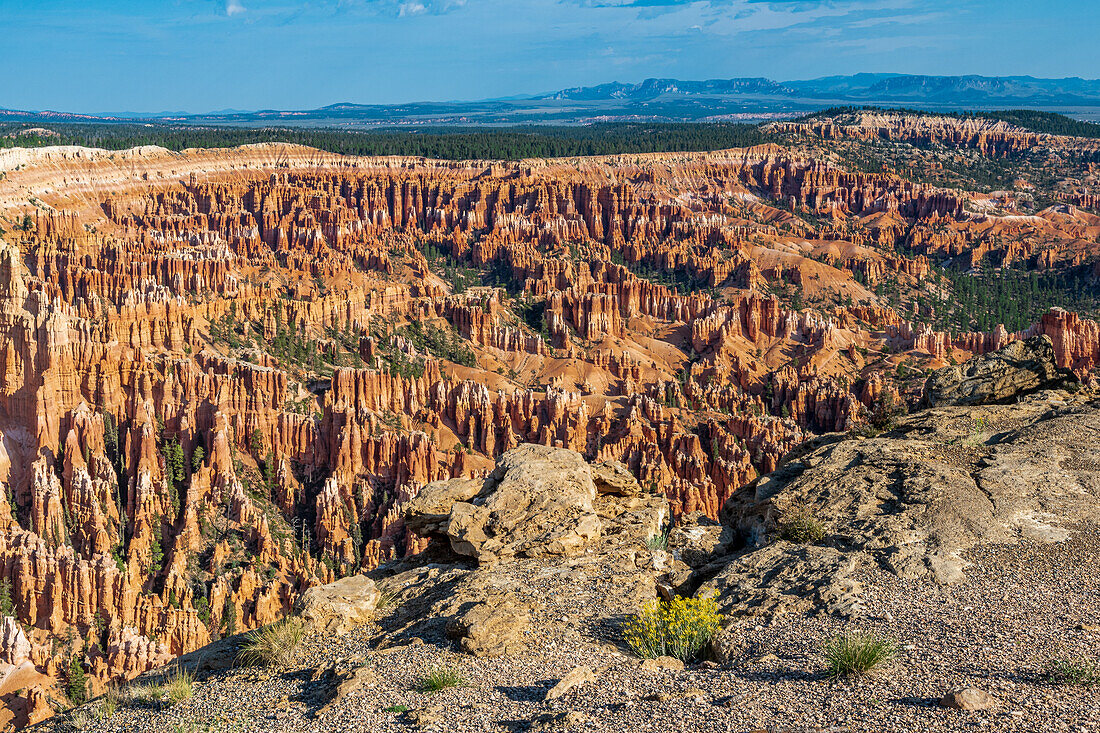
(653, 88)
(662, 100)
(955, 90)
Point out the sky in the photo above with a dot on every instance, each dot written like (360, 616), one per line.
(115, 56)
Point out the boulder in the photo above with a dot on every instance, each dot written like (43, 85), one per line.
(538, 502)
(698, 540)
(345, 683)
(539, 530)
(493, 627)
(574, 679)
(612, 477)
(465, 528)
(341, 606)
(1019, 368)
(429, 511)
(969, 698)
(779, 577)
(430, 717)
(911, 502)
(662, 664)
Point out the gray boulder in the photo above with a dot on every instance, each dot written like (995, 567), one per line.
(339, 606)
(912, 502)
(1019, 368)
(538, 502)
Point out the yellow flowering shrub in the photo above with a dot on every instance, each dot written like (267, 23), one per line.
(678, 628)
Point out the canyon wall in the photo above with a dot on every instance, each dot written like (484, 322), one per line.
(224, 373)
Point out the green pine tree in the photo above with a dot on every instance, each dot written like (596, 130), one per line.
(156, 553)
(256, 442)
(197, 457)
(76, 681)
(7, 606)
(229, 617)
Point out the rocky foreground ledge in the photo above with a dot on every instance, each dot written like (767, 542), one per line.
(968, 534)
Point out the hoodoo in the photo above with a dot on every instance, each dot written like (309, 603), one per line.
(359, 419)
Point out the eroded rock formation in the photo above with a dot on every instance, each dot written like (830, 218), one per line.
(226, 376)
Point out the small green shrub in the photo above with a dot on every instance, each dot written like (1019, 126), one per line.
(678, 628)
(441, 678)
(978, 433)
(801, 526)
(882, 417)
(853, 654)
(658, 541)
(396, 709)
(274, 645)
(1080, 672)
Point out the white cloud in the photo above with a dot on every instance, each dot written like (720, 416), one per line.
(233, 7)
(398, 8)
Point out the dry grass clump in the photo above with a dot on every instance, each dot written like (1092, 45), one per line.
(678, 628)
(178, 686)
(801, 526)
(858, 653)
(441, 678)
(274, 645)
(387, 599)
(79, 720)
(108, 705)
(136, 694)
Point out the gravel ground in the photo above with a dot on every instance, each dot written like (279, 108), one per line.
(1022, 606)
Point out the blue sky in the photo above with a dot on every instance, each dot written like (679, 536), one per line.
(201, 55)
